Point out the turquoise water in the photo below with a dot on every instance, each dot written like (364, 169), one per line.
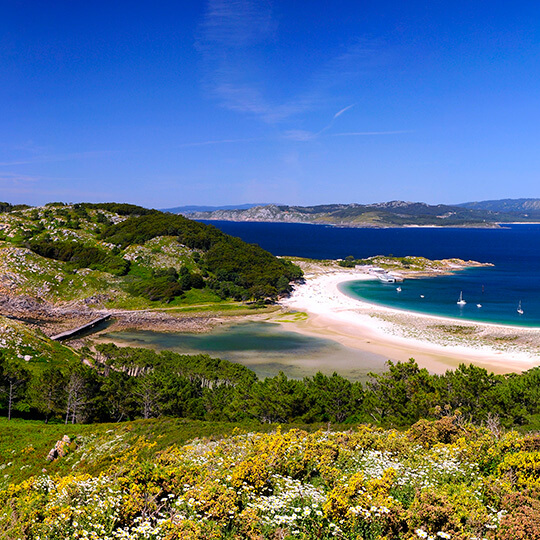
(514, 250)
(266, 348)
(439, 296)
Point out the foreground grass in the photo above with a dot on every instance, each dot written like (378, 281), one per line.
(24, 444)
(141, 480)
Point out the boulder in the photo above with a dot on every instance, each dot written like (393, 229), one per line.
(60, 449)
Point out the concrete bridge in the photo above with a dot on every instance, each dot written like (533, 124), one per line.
(79, 330)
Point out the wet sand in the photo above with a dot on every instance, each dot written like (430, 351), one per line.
(436, 343)
(264, 347)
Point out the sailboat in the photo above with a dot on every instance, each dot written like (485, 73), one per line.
(461, 302)
(519, 309)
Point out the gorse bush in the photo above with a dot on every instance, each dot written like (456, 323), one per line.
(363, 483)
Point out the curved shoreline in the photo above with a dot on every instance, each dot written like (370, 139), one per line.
(437, 343)
(442, 318)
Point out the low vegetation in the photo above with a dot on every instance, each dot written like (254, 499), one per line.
(121, 255)
(444, 479)
(407, 264)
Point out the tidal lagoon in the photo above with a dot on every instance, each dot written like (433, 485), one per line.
(264, 347)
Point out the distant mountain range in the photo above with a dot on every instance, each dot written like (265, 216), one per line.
(387, 214)
(525, 207)
(185, 210)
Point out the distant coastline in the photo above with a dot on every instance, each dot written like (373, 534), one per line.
(489, 214)
(370, 225)
(493, 225)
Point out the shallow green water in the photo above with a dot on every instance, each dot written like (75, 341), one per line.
(265, 348)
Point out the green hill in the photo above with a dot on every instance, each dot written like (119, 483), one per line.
(31, 347)
(120, 255)
(522, 208)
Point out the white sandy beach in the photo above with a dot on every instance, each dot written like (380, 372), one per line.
(434, 342)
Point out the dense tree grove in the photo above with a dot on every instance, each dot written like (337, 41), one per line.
(128, 383)
(228, 266)
(8, 207)
(80, 256)
(239, 270)
(123, 209)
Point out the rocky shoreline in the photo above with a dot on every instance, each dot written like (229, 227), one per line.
(51, 319)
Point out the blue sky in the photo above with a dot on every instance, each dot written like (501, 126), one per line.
(223, 102)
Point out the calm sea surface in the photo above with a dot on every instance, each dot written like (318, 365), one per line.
(514, 250)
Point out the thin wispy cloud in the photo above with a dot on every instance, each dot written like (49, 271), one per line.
(232, 41)
(299, 135)
(345, 109)
(35, 189)
(56, 158)
(228, 41)
(360, 59)
(236, 23)
(368, 133)
(9, 177)
(303, 135)
(15, 178)
(335, 117)
(217, 142)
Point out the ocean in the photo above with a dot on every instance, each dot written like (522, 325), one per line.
(514, 250)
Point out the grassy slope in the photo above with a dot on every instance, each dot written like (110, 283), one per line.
(24, 444)
(35, 348)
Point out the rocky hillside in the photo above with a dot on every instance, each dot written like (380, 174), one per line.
(525, 208)
(389, 214)
(124, 256)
